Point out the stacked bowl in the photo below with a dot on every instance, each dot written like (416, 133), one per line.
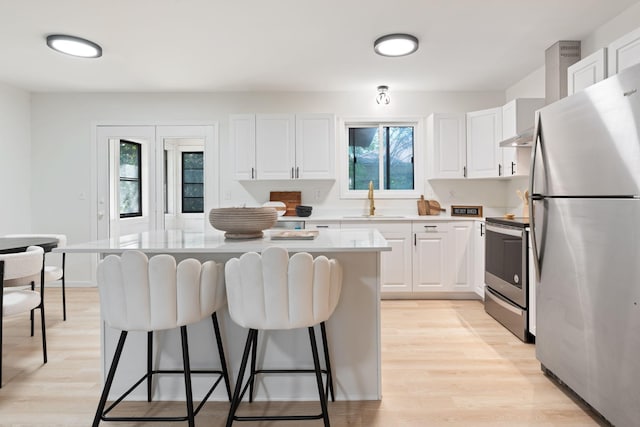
(303, 211)
(243, 223)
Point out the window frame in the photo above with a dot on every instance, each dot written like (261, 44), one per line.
(418, 157)
(139, 180)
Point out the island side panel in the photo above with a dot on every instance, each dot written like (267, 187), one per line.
(353, 333)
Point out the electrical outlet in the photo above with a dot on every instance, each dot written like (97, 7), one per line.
(227, 195)
(317, 193)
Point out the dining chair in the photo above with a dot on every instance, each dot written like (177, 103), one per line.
(15, 300)
(54, 268)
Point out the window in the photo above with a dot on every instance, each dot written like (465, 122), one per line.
(383, 153)
(192, 182)
(130, 179)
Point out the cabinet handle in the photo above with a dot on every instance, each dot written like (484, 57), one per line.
(253, 173)
(292, 173)
(464, 171)
(481, 230)
(513, 168)
(297, 172)
(499, 170)
(322, 226)
(415, 239)
(431, 227)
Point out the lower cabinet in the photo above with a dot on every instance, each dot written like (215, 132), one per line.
(478, 256)
(428, 259)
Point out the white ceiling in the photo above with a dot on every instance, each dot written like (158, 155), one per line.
(287, 45)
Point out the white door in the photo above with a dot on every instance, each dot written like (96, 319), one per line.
(462, 256)
(185, 195)
(586, 72)
(430, 258)
(623, 52)
(122, 209)
(447, 145)
(315, 146)
(275, 146)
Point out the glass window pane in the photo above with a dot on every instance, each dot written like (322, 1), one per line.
(364, 164)
(192, 205)
(192, 176)
(398, 158)
(193, 160)
(192, 190)
(129, 197)
(129, 159)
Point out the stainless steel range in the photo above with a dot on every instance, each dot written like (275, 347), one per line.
(506, 274)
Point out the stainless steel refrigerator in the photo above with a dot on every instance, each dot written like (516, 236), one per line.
(585, 221)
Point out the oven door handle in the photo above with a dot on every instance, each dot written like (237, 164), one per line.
(502, 303)
(505, 230)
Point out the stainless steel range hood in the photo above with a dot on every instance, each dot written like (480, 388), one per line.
(524, 139)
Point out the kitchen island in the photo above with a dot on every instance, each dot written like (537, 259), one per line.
(353, 330)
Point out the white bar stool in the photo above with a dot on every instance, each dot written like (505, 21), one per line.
(274, 292)
(141, 294)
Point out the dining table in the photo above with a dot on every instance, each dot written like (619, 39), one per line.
(9, 245)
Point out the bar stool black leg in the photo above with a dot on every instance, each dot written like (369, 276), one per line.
(149, 363)
(253, 366)
(235, 402)
(33, 288)
(223, 360)
(327, 361)
(187, 376)
(64, 295)
(316, 364)
(110, 376)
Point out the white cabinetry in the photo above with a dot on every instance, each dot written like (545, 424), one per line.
(275, 146)
(484, 133)
(430, 272)
(623, 53)
(319, 225)
(479, 257)
(461, 262)
(283, 146)
(395, 268)
(589, 70)
(446, 145)
(242, 136)
(518, 117)
(315, 146)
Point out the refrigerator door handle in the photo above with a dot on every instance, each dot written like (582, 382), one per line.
(537, 139)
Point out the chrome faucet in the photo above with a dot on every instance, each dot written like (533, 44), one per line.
(372, 206)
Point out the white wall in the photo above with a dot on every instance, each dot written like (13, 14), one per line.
(62, 139)
(627, 21)
(15, 160)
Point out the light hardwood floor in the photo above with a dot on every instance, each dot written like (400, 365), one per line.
(445, 363)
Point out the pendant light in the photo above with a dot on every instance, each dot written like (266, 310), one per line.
(383, 96)
(74, 46)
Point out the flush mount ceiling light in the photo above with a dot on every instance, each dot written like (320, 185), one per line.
(74, 46)
(383, 96)
(396, 45)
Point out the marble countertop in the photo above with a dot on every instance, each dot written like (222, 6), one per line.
(178, 241)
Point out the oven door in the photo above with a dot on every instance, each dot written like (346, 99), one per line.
(505, 260)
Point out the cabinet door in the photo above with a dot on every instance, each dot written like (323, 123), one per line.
(478, 256)
(242, 136)
(461, 261)
(447, 145)
(319, 225)
(623, 52)
(587, 71)
(484, 132)
(395, 271)
(275, 146)
(430, 258)
(315, 146)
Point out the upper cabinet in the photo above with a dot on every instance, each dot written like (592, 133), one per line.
(518, 117)
(484, 133)
(283, 146)
(587, 71)
(446, 145)
(623, 52)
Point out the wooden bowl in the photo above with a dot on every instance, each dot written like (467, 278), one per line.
(243, 223)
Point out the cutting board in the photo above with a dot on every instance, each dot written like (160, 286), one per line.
(434, 207)
(423, 206)
(289, 198)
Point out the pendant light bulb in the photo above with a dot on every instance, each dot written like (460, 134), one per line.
(383, 96)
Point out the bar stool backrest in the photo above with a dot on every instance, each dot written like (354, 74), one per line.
(137, 293)
(273, 291)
